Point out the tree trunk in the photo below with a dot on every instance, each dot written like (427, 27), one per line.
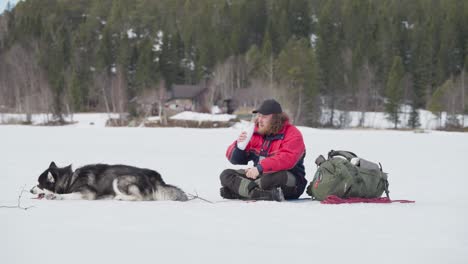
(463, 98)
(103, 84)
(299, 105)
(332, 109)
(270, 75)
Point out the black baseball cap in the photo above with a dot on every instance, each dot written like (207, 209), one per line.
(268, 107)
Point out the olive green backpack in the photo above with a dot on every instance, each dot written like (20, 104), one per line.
(345, 175)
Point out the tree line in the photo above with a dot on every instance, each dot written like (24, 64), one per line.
(64, 56)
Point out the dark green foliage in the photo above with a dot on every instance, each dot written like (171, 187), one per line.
(296, 67)
(329, 54)
(394, 91)
(326, 50)
(438, 100)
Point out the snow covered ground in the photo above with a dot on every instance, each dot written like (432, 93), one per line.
(76, 120)
(188, 115)
(375, 120)
(379, 120)
(426, 167)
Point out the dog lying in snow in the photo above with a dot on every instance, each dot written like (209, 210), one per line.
(102, 181)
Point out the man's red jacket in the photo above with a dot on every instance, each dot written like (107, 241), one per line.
(272, 153)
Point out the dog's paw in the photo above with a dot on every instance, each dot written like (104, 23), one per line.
(52, 196)
(124, 198)
(120, 198)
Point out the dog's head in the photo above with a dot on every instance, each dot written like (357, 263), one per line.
(48, 180)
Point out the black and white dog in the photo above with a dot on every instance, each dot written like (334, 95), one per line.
(102, 181)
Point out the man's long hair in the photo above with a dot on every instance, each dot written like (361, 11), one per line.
(277, 123)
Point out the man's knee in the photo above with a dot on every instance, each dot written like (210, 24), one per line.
(227, 176)
(277, 179)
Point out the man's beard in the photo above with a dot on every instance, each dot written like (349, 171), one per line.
(265, 130)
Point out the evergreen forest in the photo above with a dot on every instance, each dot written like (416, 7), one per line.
(67, 56)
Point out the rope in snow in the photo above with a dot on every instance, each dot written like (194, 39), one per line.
(196, 196)
(18, 206)
(332, 199)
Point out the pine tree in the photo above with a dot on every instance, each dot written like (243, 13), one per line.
(267, 61)
(56, 57)
(421, 67)
(437, 103)
(170, 60)
(299, 18)
(394, 91)
(329, 56)
(76, 92)
(254, 15)
(105, 56)
(296, 67)
(9, 6)
(254, 59)
(146, 71)
(464, 84)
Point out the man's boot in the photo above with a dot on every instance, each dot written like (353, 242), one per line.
(228, 194)
(275, 194)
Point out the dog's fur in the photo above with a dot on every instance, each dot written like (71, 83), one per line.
(102, 181)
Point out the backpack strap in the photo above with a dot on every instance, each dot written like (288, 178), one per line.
(343, 153)
(386, 189)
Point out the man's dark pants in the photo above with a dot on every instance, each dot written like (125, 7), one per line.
(237, 183)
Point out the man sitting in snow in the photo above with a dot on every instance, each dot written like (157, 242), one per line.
(277, 150)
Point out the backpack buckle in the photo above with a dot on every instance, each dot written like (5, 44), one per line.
(319, 160)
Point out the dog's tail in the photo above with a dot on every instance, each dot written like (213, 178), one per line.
(169, 192)
(115, 187)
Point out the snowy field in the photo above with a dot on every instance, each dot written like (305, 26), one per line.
(427, 167)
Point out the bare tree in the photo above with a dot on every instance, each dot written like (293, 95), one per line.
(462, 87)
(222, 85)
(3, 29)
(227, 78)
(26, 80)
(255, 93)
(119, 91)
(101, 82)
(5, 91)
(154, 97)
(161, 98)
(365, 81)
(269, 71)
